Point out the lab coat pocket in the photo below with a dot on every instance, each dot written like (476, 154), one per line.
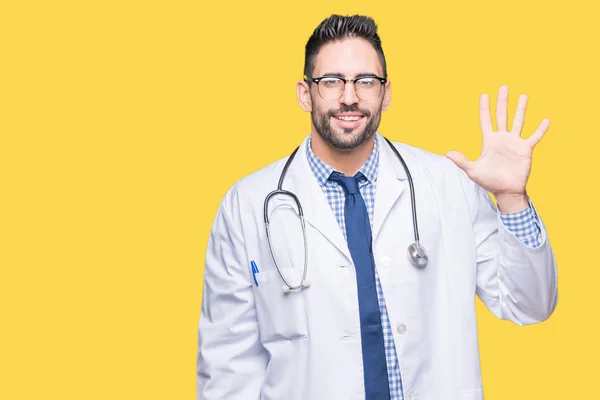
(474, 394)
(281, 316)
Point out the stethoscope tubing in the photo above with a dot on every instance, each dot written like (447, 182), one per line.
(415, 249)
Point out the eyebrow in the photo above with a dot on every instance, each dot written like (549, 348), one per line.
(340, 75)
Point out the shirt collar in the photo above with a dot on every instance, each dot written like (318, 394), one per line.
(322, 171)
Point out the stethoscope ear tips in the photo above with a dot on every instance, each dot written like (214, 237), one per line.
(286, 289)
(306, 283)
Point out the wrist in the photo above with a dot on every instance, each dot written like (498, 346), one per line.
(509, 203)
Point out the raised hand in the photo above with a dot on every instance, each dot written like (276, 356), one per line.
(505, 161)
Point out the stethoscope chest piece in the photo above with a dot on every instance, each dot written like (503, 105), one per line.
(417, 255)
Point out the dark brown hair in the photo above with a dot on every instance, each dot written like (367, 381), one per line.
(338, 27)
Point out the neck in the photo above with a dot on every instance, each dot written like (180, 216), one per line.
(346, 161)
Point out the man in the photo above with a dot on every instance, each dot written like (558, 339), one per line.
(364, 318)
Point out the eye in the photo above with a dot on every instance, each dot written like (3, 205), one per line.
(367, 82)
(330, 82)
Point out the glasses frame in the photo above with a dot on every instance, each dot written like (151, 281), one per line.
(345, 80)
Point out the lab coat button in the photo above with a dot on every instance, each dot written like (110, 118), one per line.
(386, 261)
(401, 329)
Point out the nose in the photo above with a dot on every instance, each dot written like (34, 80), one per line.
(349, 96)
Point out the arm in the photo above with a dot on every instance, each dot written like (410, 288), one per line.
(231, 360)
(516, 282)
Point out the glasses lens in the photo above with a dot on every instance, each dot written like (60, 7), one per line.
(368, 88)
(331, 88)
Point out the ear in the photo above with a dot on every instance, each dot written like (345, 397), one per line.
(303, 93)
(387, 97)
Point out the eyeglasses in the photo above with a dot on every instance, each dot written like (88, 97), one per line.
(367, 88)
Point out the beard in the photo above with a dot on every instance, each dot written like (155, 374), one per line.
(345, 140)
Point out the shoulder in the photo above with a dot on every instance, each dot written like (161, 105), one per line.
(421, 159)
(446, 178)
(254, 186)
(440, 171)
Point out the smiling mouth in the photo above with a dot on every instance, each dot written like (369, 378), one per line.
(349, 118)
(349, 121)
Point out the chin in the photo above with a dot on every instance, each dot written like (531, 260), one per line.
(348, 141)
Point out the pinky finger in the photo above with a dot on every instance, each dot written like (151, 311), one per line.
(539, 133)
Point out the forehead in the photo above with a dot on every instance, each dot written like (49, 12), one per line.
(348, 57)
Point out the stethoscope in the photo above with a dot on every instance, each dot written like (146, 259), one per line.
(416, 252)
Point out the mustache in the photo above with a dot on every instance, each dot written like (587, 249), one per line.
(349, 108)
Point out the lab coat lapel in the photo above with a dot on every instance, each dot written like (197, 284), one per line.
(317, 211)
(391, 182)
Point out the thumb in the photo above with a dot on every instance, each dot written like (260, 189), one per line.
(460, 160)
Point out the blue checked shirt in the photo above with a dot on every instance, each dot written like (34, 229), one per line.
(523, 224)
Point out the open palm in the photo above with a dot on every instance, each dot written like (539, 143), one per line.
(505, 162)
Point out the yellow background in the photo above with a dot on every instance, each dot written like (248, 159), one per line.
(123, 123)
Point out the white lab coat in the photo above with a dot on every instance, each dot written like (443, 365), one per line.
(255, 342)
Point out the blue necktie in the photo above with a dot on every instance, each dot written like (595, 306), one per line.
(358, 234)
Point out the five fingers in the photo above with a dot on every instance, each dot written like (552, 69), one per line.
(502, 116)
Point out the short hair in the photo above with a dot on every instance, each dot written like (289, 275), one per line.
(338, 27)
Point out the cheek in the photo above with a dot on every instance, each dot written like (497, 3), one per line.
(320, 109)
(376, 111)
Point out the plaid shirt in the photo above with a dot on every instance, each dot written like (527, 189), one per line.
(523, 224)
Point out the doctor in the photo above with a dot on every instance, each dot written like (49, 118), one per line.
(356, 315)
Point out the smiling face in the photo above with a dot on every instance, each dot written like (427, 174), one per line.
(349, 121)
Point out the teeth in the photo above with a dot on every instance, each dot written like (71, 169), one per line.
(353, 118)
